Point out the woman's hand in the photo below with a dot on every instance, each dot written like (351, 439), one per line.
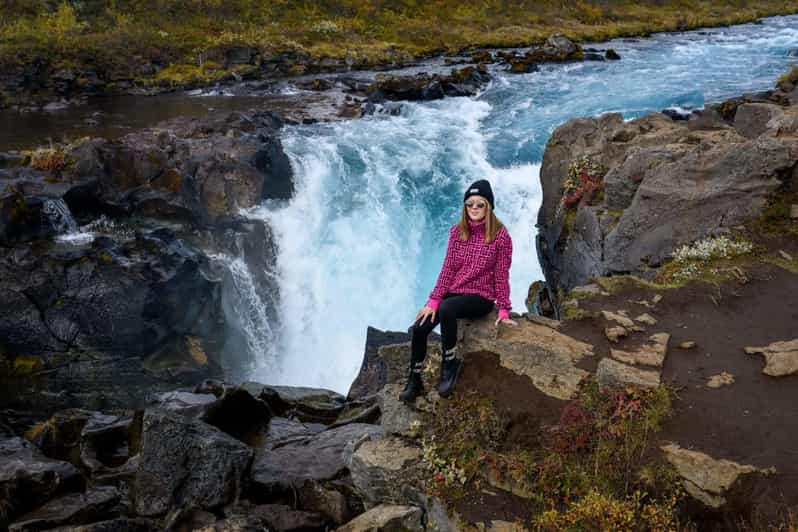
(424, 313)
(508, 321)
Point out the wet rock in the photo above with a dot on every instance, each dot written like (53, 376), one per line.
(482, 56)
(781, 358)
(22, 219)
(380, 469)
(28, 478)
(547, 357)
(522, 65)
(705, 478)
(612, 55)
(652, 353)
(320, 457)
(613, 374)
(397, 417)
(388, 518)
(305, 404)
(556, 48)
(463, 82)
(591, 56)
(74, 509)
(187, 462)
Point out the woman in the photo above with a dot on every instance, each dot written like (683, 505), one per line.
(475, 273)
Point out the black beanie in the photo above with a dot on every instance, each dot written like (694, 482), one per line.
(480, 188)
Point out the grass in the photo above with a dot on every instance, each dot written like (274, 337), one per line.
(170, 43)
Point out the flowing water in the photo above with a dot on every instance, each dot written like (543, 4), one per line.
(362, 241)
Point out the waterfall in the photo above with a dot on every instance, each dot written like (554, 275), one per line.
(56, 213)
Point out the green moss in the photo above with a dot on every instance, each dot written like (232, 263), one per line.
(27, 365)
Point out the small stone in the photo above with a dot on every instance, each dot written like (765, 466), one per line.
(656, 299)
(621, 318)
(646, 318)
(722, 379)
(781, 358)
(650, 354)
(793, 211)
(785, 255)
(386, 517)
(613, 334)
(687, 345)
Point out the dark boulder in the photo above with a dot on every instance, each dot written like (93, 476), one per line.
(28, 478)
(318, 458)
(612, 55)
(315, 405)
(372, 375)
(96, 504)
(187, 463)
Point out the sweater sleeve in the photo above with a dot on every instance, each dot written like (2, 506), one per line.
(447, 274)
(504, 258)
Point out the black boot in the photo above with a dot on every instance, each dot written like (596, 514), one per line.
(414, 387)
(450, 371)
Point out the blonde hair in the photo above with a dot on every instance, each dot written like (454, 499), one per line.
(492, 224)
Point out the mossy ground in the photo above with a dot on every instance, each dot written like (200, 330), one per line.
(186, 39)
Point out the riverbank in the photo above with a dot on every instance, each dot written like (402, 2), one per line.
(97, 49)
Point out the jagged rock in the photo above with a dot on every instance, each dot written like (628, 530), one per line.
(305, 404)
(282, 429)
(320, 457)
(781, 358)
(372, 375)
(705, 478)
(239, 414)
(73, 509)
(463, 82)
(187, 462)
(650, 354)
(541, 353)
(397, 417)
(613, 374)
(379, 469)
(751, 119)
(614, 334)
(189, 404)
(386, 518)
(122, 524)
(656, 176)
(89, 440)
(28, 478)
(283, 518)
(316, 498)
(722, 379)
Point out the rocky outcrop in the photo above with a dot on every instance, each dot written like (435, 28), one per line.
(664, 185)
(129, 301)
(707, 479)
(548, 357)
(463, 82)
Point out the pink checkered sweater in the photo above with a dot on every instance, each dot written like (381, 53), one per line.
(475, 267)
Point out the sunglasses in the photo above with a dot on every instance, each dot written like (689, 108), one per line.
(476, 204)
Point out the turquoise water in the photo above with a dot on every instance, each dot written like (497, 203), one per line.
(362, 242)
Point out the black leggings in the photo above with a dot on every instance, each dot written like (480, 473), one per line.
(452, 307)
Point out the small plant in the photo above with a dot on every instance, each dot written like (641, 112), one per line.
(51, 160)
(585, 183)
(712, 248)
